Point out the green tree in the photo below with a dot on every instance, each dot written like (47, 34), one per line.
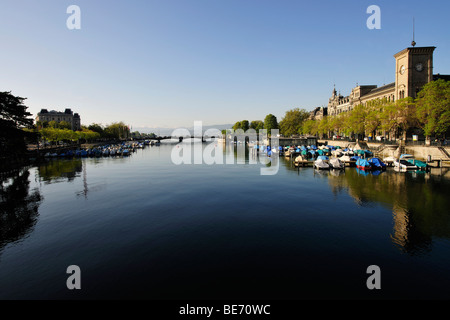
(293, 121)
(97, 128)
(257, 125)
(373, 121)
(13, 118)
(53, 124)
(323, 127)
(433, 108)
(310, 127)
(406, 115)
(117, 130)
(64, 125)
(237, 126)
(245, 125)
(388, 119)
(356, 120)
(270, 122)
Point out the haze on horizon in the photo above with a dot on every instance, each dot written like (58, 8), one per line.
(170, 63)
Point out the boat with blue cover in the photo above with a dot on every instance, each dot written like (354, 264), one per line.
(363, 164)
(419, 164)
(377, 164)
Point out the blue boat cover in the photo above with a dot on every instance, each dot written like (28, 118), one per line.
(377, 163)
(362, 163)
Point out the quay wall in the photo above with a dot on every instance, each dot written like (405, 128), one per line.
(420, 152)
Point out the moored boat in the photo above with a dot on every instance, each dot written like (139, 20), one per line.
(335, 163)
(377, 164)
(363, 164)
(322, 163)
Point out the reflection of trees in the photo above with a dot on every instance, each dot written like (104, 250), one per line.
(419, 203)
(60, 170)
(18, 206)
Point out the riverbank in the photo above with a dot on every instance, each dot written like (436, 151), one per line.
(385, 150)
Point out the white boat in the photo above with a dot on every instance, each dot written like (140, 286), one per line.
(403, 165)
(389, 161)
(321, 164)
(337, 153)
(349, 153)
(335, 163)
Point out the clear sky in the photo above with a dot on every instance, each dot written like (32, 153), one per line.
(167, 63)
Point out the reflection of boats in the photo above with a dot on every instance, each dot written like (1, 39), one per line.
(363, 172)
(335, 163)
(336, 173)
(363, 164)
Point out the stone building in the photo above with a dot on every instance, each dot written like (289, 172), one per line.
(413, 69)
(318, 113)
(68, 116)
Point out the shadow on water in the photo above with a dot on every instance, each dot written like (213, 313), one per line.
(18, 206)
(419, 202)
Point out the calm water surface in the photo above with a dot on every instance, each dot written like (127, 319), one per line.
(142, 227)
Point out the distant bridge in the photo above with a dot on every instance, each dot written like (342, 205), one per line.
(180, 139)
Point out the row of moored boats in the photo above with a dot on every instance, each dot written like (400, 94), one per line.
(109, 150)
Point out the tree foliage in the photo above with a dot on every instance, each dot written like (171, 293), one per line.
(293, 121)
(433, 107)
(270, 122)
(257, 125)
(13, 118)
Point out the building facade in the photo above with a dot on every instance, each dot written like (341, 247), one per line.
(68, 116)
(413, 69)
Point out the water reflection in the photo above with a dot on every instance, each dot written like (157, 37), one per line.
(18, 206)
(60, 170)
(419, 203)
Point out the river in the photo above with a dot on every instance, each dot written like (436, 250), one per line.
(145, 227)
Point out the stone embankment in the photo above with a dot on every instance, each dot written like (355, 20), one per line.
(385, 150)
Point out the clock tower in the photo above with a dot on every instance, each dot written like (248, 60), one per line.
(414, 69)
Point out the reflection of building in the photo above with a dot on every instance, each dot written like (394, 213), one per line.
(67, 115)
(413, 69)
(416, 218)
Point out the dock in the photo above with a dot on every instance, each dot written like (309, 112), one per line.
(310, 163)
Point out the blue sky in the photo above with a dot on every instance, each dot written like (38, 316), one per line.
(168, 63)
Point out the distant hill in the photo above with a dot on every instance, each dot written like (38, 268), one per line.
(168, 131)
